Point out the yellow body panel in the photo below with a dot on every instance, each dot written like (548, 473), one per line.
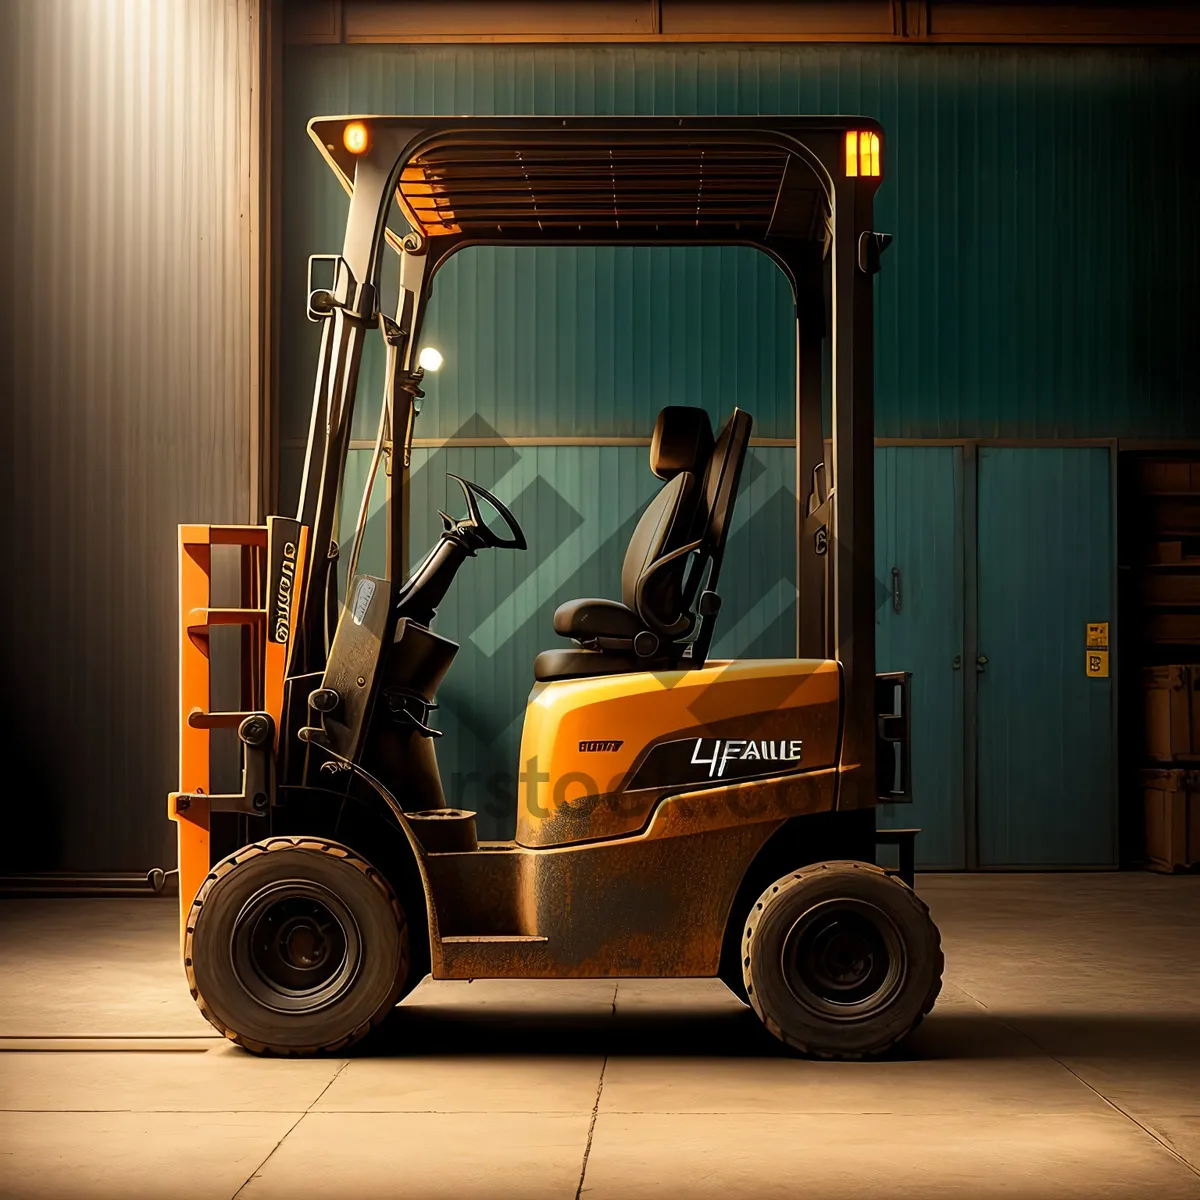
(586, 769)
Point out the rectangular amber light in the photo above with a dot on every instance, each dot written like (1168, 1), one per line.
(862, 154)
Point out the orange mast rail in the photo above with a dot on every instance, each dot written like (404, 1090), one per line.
(186, 807)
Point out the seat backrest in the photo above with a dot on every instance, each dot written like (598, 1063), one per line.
(722, 478)
(680, 451)
(720, 489)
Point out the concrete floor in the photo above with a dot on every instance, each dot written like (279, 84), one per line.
(1063, 1060)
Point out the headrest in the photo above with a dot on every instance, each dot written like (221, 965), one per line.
(682, 441)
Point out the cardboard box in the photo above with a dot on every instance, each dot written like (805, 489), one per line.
(1172, 804)
(1172, 697)
(1165, 474)
(1176, 516)
(1172, 628)
(1169, 587)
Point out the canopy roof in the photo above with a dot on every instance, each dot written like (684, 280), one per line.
(589, 179)
(476, 190)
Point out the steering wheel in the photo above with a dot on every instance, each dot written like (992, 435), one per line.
(476, 527)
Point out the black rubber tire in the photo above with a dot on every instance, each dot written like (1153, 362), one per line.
(380, 935)
(823, 1028)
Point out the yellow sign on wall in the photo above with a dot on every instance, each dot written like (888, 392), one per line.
(1097, 650)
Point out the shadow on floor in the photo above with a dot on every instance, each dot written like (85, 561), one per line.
(417, 1030)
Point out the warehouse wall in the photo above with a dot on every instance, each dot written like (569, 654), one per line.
(1041, 285)
(127, 363)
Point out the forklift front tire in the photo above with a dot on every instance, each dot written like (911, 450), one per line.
(296, 945)
(840, 960)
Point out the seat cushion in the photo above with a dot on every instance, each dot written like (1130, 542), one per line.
(589, 618)
(579, 664)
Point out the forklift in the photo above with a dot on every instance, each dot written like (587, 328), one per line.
(678, 815)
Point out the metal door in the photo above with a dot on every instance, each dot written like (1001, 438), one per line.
(919, 628)
(1046, 782)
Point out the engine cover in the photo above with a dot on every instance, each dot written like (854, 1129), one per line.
(598, 755)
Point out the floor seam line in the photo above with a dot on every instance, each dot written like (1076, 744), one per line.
(254, 1174)
(1094, 1090)
(587, 1149)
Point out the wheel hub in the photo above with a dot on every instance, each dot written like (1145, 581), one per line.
(844, 959)
(295, 946)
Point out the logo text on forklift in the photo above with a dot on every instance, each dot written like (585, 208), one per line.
(587, 747)
(735, 749)
(283, 597)
(362, 600)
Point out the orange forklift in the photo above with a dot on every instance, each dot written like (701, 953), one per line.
(678, 816)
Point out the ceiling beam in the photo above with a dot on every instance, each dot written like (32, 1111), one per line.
(911, 22)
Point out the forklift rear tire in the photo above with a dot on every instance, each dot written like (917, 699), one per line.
(296, 945)
(840, 960)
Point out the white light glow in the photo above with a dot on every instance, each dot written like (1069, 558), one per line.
(430, 359)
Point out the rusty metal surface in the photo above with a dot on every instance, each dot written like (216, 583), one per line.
(484, 892)
(653, 905)
(650, 907)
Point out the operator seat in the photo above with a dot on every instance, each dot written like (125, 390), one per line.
(685, 524)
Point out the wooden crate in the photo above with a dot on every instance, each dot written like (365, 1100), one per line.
(1167, 587)
(1166, 552)
(1176, 517)
(1165, 475)
(1172, 706)
(1173, 628)
(1172, 809)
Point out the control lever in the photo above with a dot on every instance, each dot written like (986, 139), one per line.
(401, 705)
(322, 702)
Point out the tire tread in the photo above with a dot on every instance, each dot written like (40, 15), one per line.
(268, 846)
(796, 1044)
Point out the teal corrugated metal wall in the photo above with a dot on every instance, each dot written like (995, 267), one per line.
(563, 341)
(568, 341)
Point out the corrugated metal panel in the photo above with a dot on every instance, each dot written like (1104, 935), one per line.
(1041, 282)
(568, 341)
(1047, 788)
(578, 506)
(918, 531)
(1044, 243)
(127, 302)
(596, 340)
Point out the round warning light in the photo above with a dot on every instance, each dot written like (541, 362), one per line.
(430, 359)
(354, 137)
